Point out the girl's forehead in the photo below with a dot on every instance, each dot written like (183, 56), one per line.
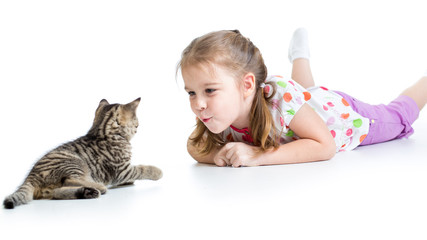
(211, 70)
(199, 72)
(207, 74)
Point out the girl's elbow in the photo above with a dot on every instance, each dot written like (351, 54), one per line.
(327, 149)
(330, 154)
(330, 151)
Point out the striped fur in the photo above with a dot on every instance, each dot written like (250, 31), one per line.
(85, 167)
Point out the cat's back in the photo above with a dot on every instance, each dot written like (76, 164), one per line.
(67, 153)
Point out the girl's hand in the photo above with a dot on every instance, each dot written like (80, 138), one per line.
(220, 159)
(237, 154)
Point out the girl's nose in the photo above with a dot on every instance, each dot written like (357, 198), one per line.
(200, 104)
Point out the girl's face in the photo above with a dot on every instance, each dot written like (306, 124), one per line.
(215, 97)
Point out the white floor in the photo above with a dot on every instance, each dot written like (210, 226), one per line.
(374, 192)
(58, 59)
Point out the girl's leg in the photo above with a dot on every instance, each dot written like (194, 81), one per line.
(299, 55)
(418, 92)
(301, 72)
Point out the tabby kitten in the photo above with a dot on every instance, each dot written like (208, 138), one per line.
(83, 168)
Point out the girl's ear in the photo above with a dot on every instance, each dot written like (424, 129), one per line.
(249, 84)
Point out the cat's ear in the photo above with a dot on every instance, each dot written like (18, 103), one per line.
(132, 105)
(128, 111)
(102, 103)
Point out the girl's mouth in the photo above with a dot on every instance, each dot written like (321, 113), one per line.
(206, 119)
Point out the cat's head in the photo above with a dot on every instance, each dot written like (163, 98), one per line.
(115, 120)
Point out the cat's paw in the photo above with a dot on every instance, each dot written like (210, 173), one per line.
(152, 173)
(103, 190)
(8, 204)
(87, 193)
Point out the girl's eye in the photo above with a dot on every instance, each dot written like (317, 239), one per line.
(209, 90)
(191, 93)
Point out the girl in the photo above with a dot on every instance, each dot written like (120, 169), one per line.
(245, 118)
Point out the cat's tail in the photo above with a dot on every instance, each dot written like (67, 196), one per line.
(23, 195)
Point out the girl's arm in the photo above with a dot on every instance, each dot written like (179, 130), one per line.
(316, 144)
(192, 150)
(216, 156)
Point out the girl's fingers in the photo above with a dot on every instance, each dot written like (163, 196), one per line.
(229, 150)
(220, 163)
(221, 159)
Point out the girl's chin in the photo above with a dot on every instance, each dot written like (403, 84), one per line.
(216, 130)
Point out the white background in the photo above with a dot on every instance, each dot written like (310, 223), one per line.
(58, 59)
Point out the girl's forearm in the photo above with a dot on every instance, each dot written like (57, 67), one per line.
(299, 151)
(209, 158)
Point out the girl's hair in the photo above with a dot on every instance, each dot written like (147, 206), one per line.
(236, 53)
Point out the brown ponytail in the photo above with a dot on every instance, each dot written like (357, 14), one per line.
(262, 127)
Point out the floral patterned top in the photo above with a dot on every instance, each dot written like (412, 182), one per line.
(346, 126)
